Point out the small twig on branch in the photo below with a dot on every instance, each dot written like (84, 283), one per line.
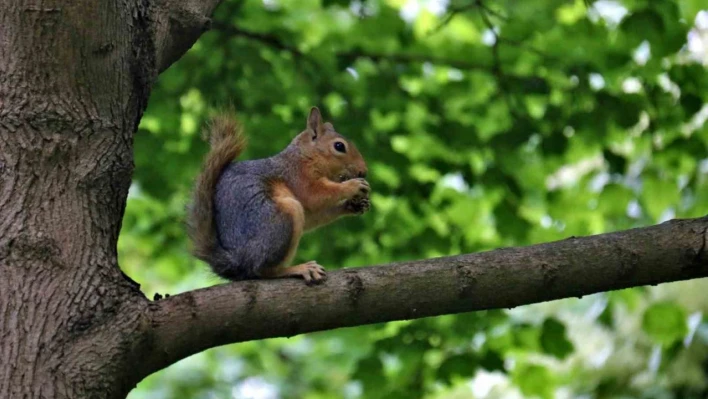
(407, 57)
(265, 38)
(452, 13)
(490, 11)
(525, 46)
(487, 11)
(455, 10)
(349, 56)
(497, 68)
(277, 43)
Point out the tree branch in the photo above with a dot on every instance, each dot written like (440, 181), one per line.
(502, 80)
(277, 43)
(412, 57)
(177, 25)
(265, 38)
(188, 323)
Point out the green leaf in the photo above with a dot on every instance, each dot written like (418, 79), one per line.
(643, 24)
(614, 200)
(370, 373)
(630, 297)
(554, 340)
(691, 103)
(658, 194)
(665, 323)
(534, 380)
(527, 337)
(457, 366)
(606, 318)
(492, 361)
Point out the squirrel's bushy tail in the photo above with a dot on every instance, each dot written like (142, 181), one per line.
(225, 136)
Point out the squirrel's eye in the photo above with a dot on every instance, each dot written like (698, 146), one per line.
(339, 146)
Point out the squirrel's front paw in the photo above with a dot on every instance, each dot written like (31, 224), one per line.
(357, 187)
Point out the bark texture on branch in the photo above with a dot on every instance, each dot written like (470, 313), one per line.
(178, 24)
(191, 322)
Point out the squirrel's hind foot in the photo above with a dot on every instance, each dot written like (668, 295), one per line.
(311, 272)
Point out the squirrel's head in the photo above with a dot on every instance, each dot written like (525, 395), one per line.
(327, 151)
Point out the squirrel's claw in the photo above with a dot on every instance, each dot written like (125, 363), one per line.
(357, 187)
(364, 186)
(311, 272)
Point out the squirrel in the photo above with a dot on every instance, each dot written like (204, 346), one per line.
(246, 218)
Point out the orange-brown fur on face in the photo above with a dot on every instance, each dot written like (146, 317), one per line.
(326, 178)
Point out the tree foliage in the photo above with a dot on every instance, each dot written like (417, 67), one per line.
(485, 124)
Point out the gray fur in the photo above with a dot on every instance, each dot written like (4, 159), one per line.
(253, 234)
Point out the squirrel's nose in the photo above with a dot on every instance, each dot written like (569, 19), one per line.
(362, 174)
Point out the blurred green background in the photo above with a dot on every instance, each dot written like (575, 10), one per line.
(485, 124)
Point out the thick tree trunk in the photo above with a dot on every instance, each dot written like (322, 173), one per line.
(74, 81)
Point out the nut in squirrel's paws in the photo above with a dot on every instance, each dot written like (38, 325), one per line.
(311, 272)
(358, 205)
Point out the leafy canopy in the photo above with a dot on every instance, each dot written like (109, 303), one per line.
(485, 124)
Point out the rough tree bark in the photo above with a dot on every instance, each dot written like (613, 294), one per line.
(74, 81)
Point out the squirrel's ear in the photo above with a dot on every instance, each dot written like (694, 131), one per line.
(314, 122)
